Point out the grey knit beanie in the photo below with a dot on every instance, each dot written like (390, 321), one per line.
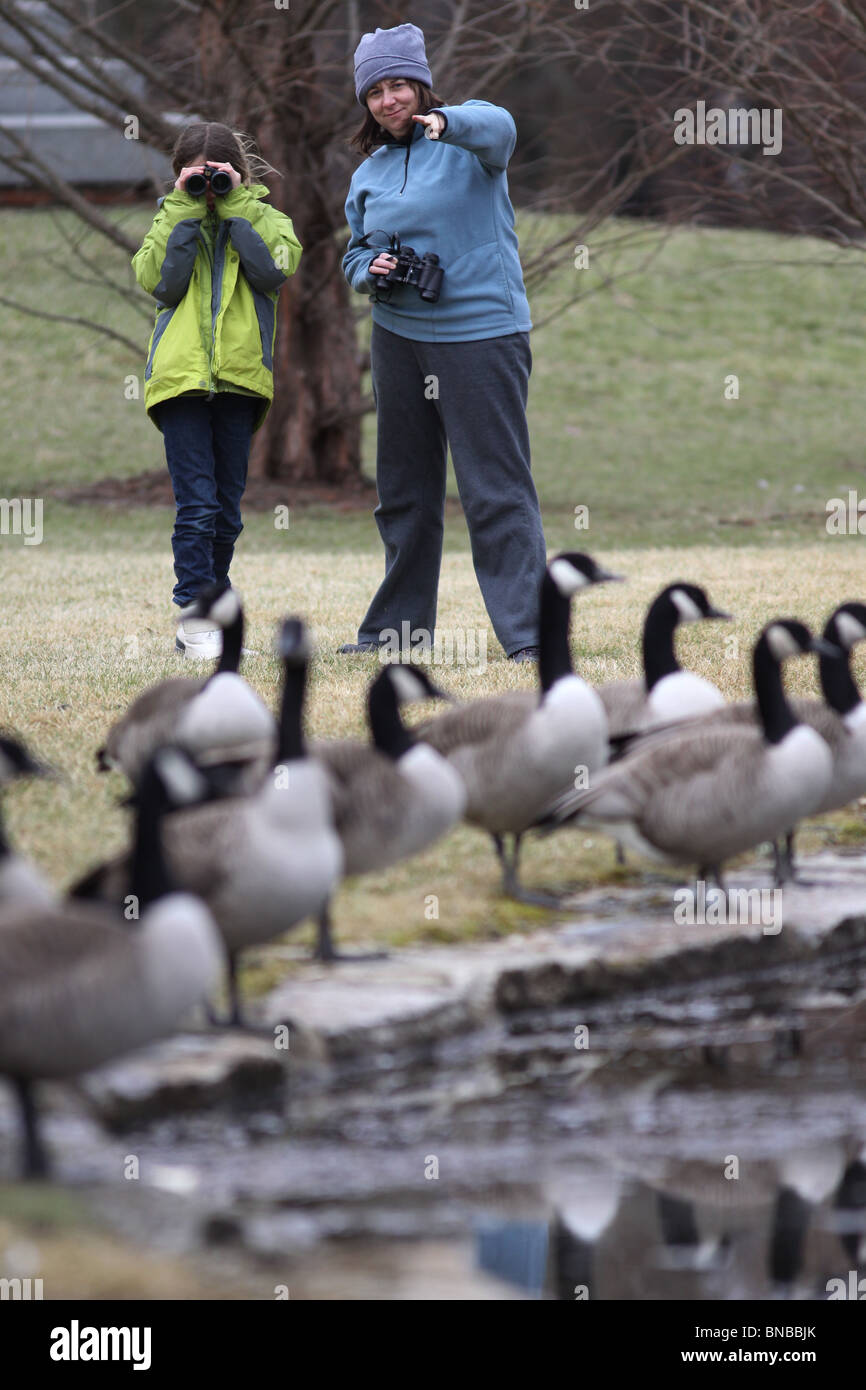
(395, 52)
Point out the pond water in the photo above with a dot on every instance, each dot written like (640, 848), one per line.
(697, 1147)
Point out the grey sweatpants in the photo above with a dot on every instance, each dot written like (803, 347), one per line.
(471, 396)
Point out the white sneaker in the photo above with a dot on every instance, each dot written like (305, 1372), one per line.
(199, 640)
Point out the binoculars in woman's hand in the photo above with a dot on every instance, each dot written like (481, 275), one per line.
(218, 179)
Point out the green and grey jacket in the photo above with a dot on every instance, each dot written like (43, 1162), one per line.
(215, 278)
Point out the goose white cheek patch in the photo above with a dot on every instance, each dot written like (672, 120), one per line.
(567, 578)
(183, 781)
(407, 685)
(849, 629)
(226, 609)
(686, 607)
(781, 643)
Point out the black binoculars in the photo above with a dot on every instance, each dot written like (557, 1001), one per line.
(218, 179)
(423, 273)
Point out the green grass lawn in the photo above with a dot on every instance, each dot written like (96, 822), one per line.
(628, 417)
(627, 406)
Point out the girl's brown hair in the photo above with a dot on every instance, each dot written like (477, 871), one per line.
(370, 134)
(221, 145)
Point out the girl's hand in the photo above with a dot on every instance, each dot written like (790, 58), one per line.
(382, 264)
(227, 169)
(184, 175)
(434, 123)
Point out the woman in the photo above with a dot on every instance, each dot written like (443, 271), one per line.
(454, 371)
(214, 261)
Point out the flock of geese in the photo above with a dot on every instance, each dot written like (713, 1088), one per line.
(243, 829)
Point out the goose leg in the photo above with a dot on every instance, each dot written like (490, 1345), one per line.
(35, 1163)
(326, 950)
(783, 860)
(235, 1018)
(620, 853)
(712, 873)
(789, 853)
(790, 867)
(511, 886)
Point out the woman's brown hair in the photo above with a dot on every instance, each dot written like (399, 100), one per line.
(370, 134)
(221, 145)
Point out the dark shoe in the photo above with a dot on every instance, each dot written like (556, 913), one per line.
(525, 654)
(357, 648)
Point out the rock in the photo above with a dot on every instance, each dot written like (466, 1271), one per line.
(189, 1072)
(403, 1011)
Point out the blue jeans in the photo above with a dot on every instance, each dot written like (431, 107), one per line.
(207, 447)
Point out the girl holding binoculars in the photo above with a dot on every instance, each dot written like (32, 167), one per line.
(214, 260)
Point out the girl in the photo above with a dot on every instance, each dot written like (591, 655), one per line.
(451, 372)
(214, 263)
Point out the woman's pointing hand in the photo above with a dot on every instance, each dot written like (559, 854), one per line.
(434, 122)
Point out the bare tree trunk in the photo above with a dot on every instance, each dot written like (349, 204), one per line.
(313, 431)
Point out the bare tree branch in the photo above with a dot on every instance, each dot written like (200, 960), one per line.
(153, 74)
(29, 165)
(134, 348)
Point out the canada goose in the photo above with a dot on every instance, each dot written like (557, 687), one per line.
(666, 692)
(840, 719)
(789, 1186)
(20, 881)
(586, 1203)
(516, 752)
(263, 862)
(82, 983)
(219, 720)
(394, 798)
(807, 1177)
(849, 1203)
(705, 794)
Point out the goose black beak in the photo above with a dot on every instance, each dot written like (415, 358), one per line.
(717, 613)
(822, 647)
(608, 577)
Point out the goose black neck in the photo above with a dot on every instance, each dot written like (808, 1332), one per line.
(233, 640)
(659, 656)
(837, 683)
(290, 737)
(777, 717)
(554, 652)
(5, 847)
(151, 878)
(386, 726)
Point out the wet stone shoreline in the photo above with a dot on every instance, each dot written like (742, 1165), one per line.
(612, 1049)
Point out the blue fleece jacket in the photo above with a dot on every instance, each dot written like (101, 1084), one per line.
(449, 196)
